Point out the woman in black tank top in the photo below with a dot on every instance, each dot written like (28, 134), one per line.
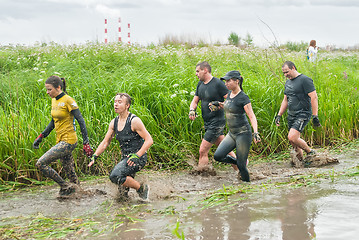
(134, 141)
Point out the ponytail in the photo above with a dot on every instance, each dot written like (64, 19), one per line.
(63, 85)
(240, 82)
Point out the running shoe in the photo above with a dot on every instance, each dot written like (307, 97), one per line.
(67, 190)
(143, 191)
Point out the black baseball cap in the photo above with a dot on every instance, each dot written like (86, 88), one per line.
(231, 74)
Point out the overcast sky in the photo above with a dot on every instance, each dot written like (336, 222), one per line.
(330, 22)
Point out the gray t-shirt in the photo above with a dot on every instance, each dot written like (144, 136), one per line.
(235, 114)
(297, 90)
(215, 90)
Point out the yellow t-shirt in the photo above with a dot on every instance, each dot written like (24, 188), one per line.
(63, 119)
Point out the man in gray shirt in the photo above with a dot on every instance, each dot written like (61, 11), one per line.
(301, 99)
(209, 89)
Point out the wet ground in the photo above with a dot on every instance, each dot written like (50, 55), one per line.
(281, 202)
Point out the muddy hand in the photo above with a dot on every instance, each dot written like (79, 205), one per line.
(256, 137)
(213, 106)
(37, 141)
(88, 150)
(316, 122)
(192, 114)
(93, 158)
(131, 158)
(277, 120)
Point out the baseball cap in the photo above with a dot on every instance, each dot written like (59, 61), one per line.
(231, 74)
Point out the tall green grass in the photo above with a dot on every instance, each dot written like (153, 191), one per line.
(161, 81)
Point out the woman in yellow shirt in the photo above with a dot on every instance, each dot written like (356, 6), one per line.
(63, 111)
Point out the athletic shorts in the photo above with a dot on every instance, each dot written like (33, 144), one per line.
(297, 123)
(212, 133)
(122, 169)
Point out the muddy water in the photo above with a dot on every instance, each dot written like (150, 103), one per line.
(327, 210)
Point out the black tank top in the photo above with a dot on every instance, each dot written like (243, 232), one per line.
(130, 141)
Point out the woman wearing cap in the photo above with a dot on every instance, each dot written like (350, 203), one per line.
(134, 141)
(236, 107)
(63, 111)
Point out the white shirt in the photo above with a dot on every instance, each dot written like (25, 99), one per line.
(312, 53)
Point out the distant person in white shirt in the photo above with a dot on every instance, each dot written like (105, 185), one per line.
(312, 51)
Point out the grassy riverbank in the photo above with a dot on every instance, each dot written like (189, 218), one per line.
(162, 81)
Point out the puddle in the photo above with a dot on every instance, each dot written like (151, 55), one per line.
(325, 210)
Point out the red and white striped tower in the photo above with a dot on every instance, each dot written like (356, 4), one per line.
(129, 35)
(119, 30)
(105, 30)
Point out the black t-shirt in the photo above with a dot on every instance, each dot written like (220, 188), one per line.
(235, 113)
(214, 90)
(297, 90)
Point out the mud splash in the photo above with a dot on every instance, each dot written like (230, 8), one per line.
(317, 160)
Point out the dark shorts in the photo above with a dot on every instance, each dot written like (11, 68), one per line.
(297, 123)
(122, 169)
(212, 133)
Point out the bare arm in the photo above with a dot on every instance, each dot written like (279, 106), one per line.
(194, 103)
(282, 109)
(314, 101)
(283, 106)
(193, 106)
(251, 116)
(105, 142)
(138, 126)
(252, 119)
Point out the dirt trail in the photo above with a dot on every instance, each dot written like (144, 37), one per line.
(163, 185)
(96, 208)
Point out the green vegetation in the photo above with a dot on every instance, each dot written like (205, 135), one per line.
(296, 46)
(162, 81)
(59, 227)
(234, 39)
(248, 40)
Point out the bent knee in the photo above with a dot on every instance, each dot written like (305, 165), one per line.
(118, 178)
(39, 165)
(218, 156)
(292, 138)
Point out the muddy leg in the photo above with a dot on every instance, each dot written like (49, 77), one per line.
(58, 151)
(123, 191)
(243, 144)
(203, 155)
(50, 173)
(69, 168)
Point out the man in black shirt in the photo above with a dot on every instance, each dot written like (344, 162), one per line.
(209, 89)
(300, 97)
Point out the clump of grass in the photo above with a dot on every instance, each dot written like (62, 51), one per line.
(175, 231)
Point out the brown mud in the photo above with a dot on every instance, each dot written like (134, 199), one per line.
(163, 185)
(171, 194)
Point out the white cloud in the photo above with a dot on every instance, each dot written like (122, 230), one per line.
(69, 21)
(108, 12)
